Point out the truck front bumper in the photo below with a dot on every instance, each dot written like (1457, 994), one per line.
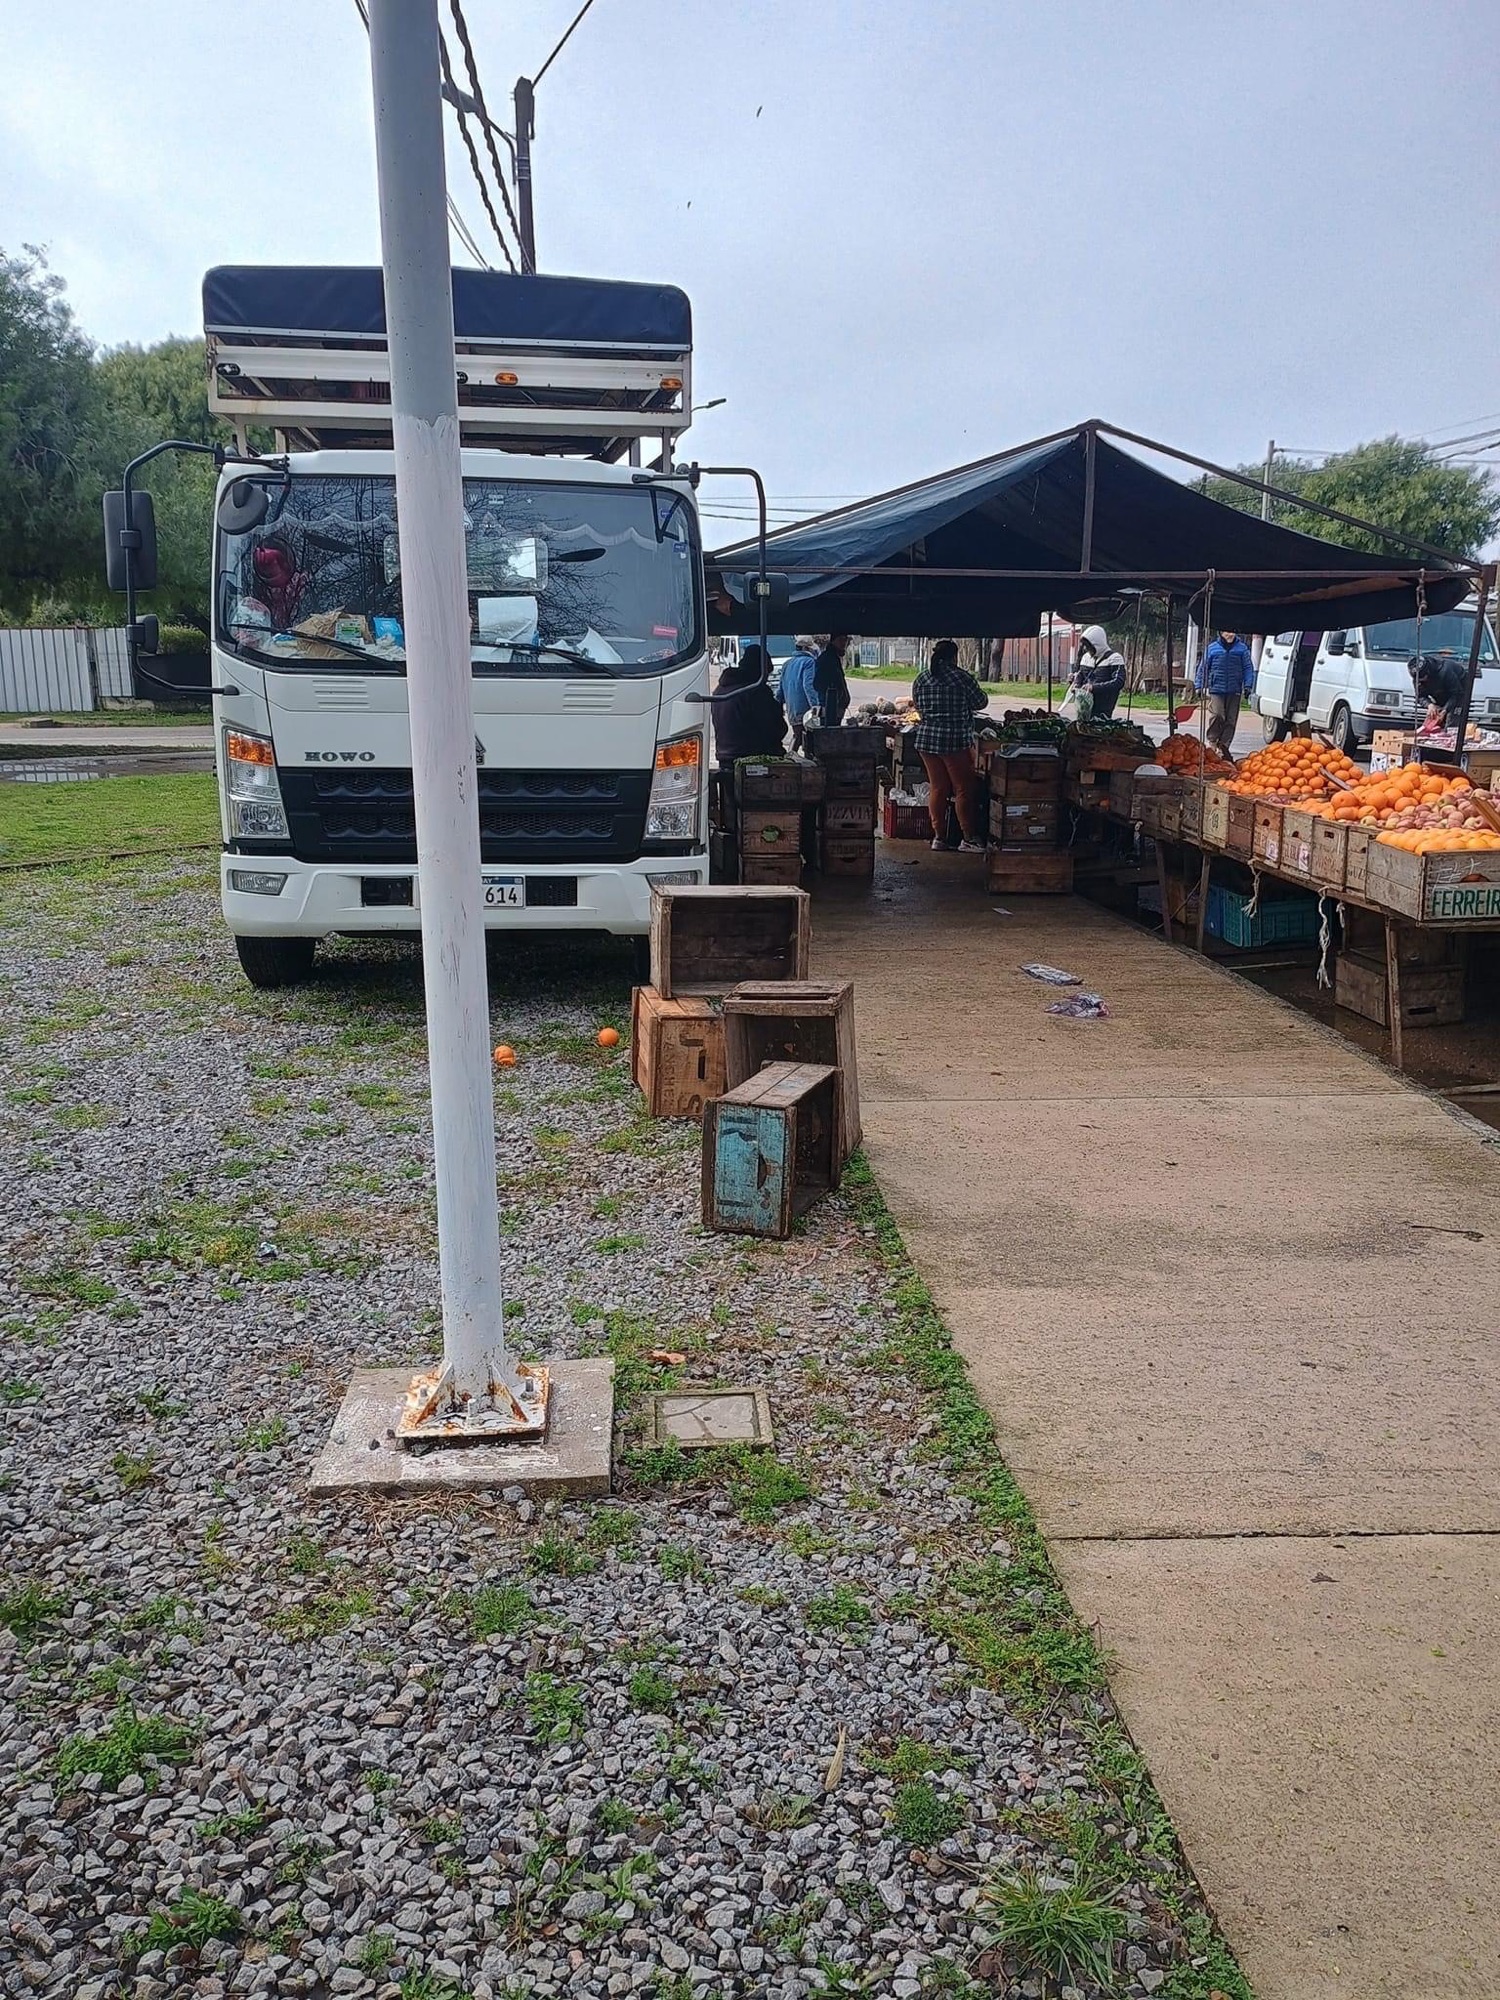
(319, 900)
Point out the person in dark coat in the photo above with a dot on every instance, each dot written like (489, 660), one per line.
(750, 723)
(830, 689)
(1440, 680)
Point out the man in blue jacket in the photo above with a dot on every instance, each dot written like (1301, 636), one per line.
(797, 686)
(1226, 674)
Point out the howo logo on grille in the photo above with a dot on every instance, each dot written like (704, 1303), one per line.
(339, 756)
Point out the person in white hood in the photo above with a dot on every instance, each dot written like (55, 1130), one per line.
(1100, 669)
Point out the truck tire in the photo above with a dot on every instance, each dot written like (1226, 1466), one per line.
(1274, 727)
(276, 961)
(1341, 729)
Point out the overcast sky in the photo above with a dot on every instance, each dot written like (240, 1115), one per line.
(912, 233)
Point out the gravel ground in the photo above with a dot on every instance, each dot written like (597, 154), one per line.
(774, 1725)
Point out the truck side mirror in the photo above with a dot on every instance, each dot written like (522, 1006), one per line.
(776, 591)
(243, 505)
(139, 538)
(1337, 643)
(146, 633)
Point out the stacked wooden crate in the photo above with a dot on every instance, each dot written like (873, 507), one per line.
(1025, 814)
(772, 795)
(704, 943)
(850, 760)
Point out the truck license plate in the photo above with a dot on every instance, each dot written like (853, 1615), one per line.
(505, 892)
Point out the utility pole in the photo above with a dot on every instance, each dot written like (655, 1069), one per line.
(525, 103)
(1265, 498)
(478, 1389)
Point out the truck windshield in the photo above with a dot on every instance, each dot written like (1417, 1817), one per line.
(604, 574)
(1447, 632)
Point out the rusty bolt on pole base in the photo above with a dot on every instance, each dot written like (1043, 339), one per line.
(435, 1412)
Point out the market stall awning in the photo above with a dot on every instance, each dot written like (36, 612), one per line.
(1061, 524)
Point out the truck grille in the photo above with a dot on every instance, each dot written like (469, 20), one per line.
(368, 815)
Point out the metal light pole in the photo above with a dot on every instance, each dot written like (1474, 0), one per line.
(478, 1389)
(525, 102)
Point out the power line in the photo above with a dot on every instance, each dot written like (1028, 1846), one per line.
(474, 166)
(559, 49)
(477, 92)
(460, 227)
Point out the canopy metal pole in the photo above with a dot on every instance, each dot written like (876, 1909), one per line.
(1171, 721)
(1090, 456)
(478, 1387)
(1486, 577)
(1051, 655)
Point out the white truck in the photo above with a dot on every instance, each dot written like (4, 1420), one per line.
(1355, 681)
(585, 574)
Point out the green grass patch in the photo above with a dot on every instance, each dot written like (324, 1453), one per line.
(328, 1612)
(559, 1555)
(1064, 1930)
(922, 1815)
(555, 1709)
(498, 1611)
(28, 1610)
(193, 1919)
(841, 1610)
(132, 1743)
(107, 816)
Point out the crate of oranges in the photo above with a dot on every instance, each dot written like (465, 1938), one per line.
(1295, 772)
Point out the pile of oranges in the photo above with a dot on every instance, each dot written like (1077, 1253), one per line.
(1381, 797)
(1294, 772)
(1192, 759)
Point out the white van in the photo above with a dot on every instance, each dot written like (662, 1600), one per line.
(1354, 682)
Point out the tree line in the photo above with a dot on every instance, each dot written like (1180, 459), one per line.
(72, 415)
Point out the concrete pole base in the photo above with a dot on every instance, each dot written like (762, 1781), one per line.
(364, 1454)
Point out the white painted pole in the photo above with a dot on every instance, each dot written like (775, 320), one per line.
(404, 65)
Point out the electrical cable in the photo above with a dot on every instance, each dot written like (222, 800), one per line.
(460, 227)
(560, 46)
(473, 153)
(476, 91)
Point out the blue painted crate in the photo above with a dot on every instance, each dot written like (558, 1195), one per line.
(1280, 920)
(771, 1148)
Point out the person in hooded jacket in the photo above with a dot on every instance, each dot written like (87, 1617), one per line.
(750, 722)
(1100, 669)
(1226, 674)
(797, 694)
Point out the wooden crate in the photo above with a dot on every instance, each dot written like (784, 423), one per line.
(1190, 809)
(768, 781)
(1435, 888)
(770, 829)
(1239, 834)
(1297, 828)
(1416, 944)
(1088, 790)
(849, 816)
(676, 1053)
(868, 745)
(706, 940)
(1121, 794)
(1432, 996)
(849, 778)
(771, 1148)
(905, 821)
(1027, 874)
(1357, 858)
(1216, 815)
(795, 1020)
(1330, 850)
(1027, 776)
(1103, 756)
(1265, 839)
(847, 854)
(1023, 825)
(771, 871)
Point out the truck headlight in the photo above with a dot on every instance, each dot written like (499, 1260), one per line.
(252, 788)
(676, 781)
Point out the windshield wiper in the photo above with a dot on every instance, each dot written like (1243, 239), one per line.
(560, 653)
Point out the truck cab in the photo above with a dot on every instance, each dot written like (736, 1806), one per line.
(1354, 681)
(586, 608)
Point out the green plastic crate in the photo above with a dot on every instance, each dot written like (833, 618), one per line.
(1282, 920)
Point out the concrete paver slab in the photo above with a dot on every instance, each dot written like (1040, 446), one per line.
(1217, 1273)
(1321, 1719)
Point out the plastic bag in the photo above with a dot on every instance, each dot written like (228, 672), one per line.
(1052, 975)
(1081, 1007)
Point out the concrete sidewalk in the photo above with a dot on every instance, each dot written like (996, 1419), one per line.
(1227, 1286)
(93, 737)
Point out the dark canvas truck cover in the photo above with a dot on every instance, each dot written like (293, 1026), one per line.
(307, 303)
